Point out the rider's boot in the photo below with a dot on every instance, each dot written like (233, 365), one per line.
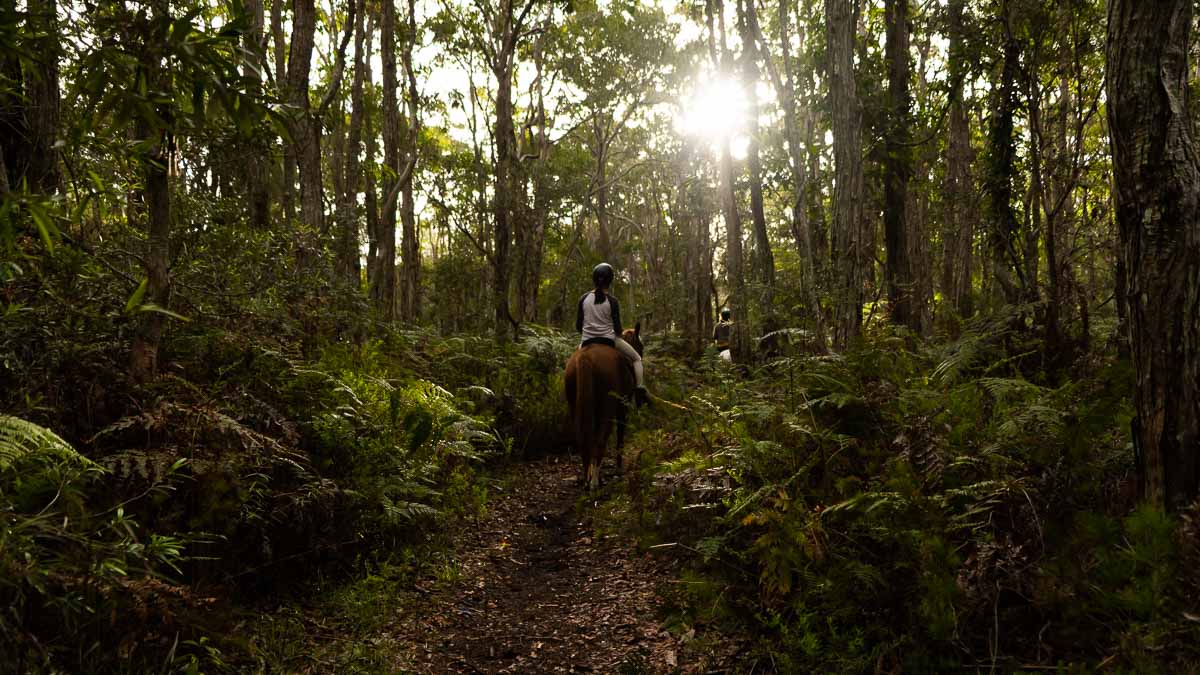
(641, 397)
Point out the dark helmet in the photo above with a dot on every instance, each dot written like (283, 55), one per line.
(725, 313)
(602, 275)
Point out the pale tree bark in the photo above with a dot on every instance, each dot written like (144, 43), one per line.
(305, 148)
(410, 272)
(765, 259)
(533, 227)
(312, 188)
(160, 140)
(258, 165)
(370, 193)
(383, 283)
(348, 266)
(294, 91)
(1157, 197)
(897, 171)
(601, 127)
(787, 94)
(959, 233)
(507, 29)
(846, 249)
(734, 274)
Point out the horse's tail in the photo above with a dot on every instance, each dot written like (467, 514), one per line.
(585, 406)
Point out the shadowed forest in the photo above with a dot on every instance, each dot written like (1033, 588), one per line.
(287, 291)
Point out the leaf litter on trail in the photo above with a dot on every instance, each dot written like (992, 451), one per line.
(540, 592)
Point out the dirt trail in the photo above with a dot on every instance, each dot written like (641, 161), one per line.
(539, 593)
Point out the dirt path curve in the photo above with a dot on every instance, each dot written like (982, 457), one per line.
(539, 592)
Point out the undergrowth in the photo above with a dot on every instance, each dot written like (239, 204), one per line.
(916, 509)
(290, 443)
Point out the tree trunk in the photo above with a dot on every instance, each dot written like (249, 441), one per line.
(959, 233)
(750, 79)
(410, 272)
(785, 89)
(258, 163)
(505, 34)
(847, 228)
(288, 169)
(42, 89)
(534, 235)
(599, 140)
(306, 142)
(348, 266)
(1157, 197)
(897, 170)
(147, 337)
(1005, 259)
(383, 284)
(370, 196)
(734, 276)
(14, 130)
(502, 208)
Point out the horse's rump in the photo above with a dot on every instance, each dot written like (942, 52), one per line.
(597, 380)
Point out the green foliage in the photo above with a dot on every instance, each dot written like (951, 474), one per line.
(895, 506)
(20, 440)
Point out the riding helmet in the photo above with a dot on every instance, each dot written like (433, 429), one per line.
(725, 313)
(602, 275)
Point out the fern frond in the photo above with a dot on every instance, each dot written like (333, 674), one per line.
(20, 438)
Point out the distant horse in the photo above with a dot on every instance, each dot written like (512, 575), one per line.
(599, 386)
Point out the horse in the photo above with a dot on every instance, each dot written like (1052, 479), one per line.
(599, 385)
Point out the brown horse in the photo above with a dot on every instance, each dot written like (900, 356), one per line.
(599, 386)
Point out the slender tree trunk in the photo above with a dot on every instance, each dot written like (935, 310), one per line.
(847, 229)
(785, 89)
(14, 123)
(1042, 214)
(897, 171)
(750, 80)
(306, 144)
(348, 266)
(1157, 196)
(600, 123)
(147, 337)
(370, 196)
(1003, 230)
(288, 169)
(410, 273)
(503, 200)
(735, 278)
(534, 236)
(959, 233)
(383, 285)
(258, 163)
(506, 32)
(43, 174)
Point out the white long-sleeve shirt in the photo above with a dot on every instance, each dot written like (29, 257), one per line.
(598, 321)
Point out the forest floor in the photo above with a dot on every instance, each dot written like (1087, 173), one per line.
(541, 584)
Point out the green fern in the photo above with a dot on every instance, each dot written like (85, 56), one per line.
(20, 438)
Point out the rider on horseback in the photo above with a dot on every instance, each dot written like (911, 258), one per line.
(598, 318)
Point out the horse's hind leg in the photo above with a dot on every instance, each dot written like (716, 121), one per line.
(591, 467)
(602, 444)
(621, 440)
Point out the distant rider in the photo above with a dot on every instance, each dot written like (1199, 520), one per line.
(598, 318)
(723, 334)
